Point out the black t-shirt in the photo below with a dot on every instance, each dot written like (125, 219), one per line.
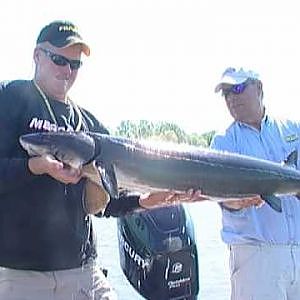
(43, 225)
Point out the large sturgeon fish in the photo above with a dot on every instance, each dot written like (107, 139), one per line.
(147, 166)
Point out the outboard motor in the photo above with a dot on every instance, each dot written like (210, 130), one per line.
(158, 253)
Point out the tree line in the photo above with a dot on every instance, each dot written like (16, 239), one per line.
(162, 130)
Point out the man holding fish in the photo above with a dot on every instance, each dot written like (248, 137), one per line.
(47, 241)
(264, 244)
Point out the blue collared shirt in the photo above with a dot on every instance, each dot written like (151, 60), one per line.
(275, 141)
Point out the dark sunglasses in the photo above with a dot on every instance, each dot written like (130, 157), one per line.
(236, 88)
(60, 60)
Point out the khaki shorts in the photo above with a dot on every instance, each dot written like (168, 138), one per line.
(86, 283)
(265, 272)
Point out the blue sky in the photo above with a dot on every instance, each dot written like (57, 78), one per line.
(160, 59)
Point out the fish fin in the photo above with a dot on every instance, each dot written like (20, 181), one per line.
(273, 201)
(108, 178)
(292, 159)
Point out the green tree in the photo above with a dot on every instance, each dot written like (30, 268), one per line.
(164, 131)
(127, 129)
(170, 132)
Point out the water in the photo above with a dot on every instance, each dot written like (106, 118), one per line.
(213, 254)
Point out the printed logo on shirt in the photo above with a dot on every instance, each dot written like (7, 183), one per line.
(40, 124)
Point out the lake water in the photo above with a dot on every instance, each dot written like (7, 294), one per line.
(213, 254)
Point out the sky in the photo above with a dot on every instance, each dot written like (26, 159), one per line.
(159, 60)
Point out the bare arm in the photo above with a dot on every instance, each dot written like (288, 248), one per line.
(157, 199)
(129, 202)
(243, 203)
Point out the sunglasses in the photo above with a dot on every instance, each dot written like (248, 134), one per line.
(236, 88)
(60, 60)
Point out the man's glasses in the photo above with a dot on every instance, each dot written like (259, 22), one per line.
(236, 88)
(60, 60)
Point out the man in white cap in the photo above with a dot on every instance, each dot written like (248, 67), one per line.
(264, 244)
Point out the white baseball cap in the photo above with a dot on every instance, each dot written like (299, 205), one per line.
(233, 76)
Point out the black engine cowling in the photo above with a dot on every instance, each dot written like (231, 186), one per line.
(158, 253)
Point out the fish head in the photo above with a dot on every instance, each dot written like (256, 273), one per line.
(72, 148)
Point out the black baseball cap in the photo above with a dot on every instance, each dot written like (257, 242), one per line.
(62, 34)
